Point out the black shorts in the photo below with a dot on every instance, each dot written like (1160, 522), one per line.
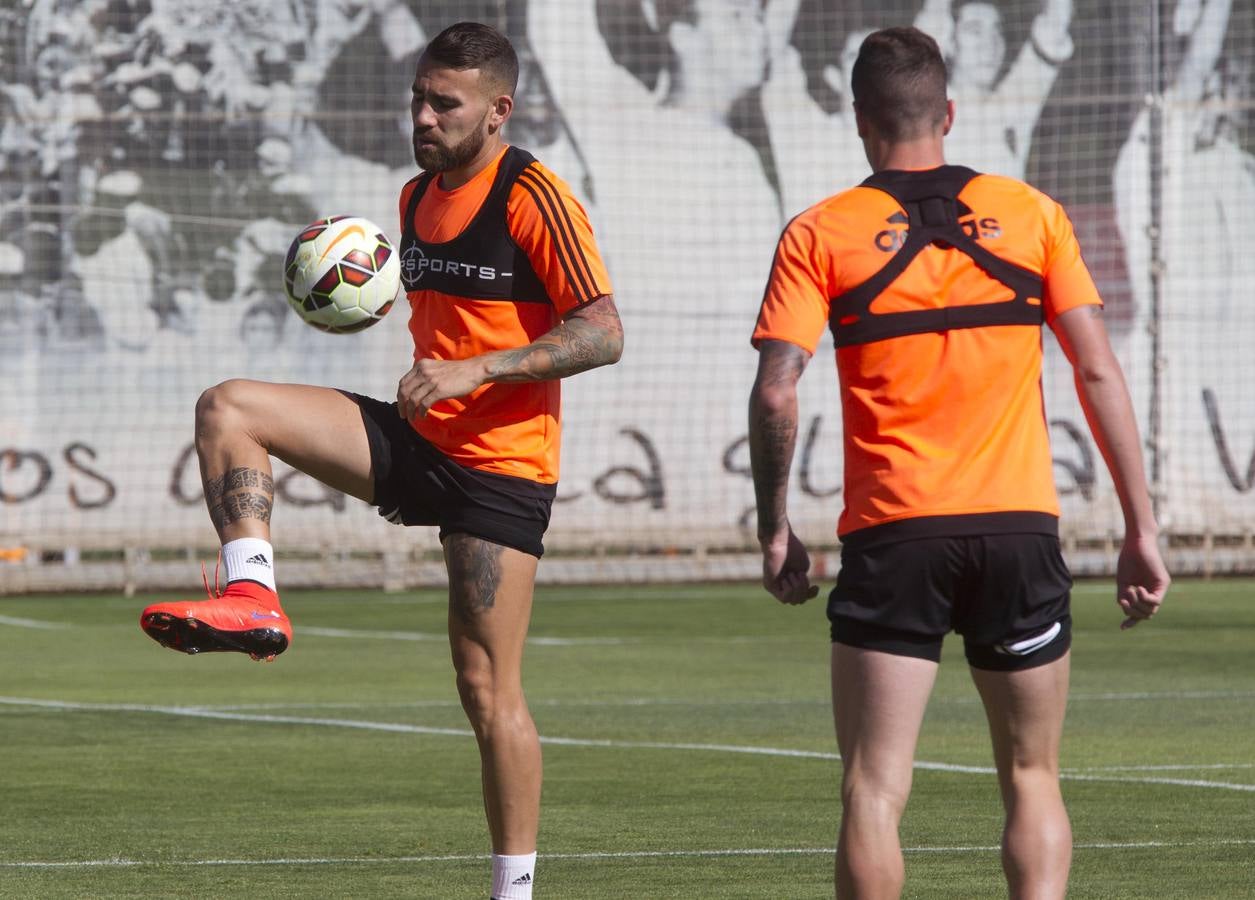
(416, 484)
(1006, 594)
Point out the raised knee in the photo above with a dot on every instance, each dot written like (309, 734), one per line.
(218, 402)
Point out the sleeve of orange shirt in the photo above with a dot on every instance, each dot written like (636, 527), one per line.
(1066, 279)
(551, 227)
(795, 304)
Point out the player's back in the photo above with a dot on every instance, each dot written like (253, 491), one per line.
(940, 368)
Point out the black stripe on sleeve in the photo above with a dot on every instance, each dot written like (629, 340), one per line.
(556, 218)
(565, 213)
(566, 268)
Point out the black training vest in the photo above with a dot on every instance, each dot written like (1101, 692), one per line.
(481, 263)
(933, 210)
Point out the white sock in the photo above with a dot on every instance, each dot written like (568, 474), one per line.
(512, 876)
(250, 558)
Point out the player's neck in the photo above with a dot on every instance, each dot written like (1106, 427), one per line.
(904, 155)
(453, 179)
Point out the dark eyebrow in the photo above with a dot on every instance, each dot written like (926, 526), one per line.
(444, 99)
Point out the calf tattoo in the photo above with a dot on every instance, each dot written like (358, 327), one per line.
(241, 493)
(474, 575)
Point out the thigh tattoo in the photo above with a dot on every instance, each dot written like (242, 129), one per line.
(474, 575)
(241, 493)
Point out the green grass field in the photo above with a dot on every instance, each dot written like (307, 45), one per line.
(688, 753)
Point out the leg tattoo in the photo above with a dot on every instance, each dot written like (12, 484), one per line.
(474, 575)
(241, 493)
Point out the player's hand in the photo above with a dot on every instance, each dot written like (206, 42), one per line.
(786, 569)
(433, 380)
(1141, 580)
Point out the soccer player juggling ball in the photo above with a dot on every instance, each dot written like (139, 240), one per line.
(951, 514)
(471, 443)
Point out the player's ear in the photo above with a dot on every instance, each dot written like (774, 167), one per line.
(500, 110)
(949, 122)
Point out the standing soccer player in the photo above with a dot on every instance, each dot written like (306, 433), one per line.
(935, 281)
(508, 294)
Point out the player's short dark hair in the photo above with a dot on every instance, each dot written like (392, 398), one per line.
(473, 45)
(899, 83)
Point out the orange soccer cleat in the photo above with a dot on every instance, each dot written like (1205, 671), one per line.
(246, 618)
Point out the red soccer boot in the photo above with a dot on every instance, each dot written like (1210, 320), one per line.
(246, 618)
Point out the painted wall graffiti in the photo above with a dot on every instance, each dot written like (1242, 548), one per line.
(156, 156)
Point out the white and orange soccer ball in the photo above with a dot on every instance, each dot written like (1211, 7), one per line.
(342, 274)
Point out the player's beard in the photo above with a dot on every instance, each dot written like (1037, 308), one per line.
(436, 158)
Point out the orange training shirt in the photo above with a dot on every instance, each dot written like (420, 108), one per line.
(941, 423)
(511, 429)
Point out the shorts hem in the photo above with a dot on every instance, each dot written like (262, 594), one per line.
(537, 550)
(869, 636)
(415, 483)
(986, 659)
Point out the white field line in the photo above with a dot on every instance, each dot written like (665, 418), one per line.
(402, 728)
(1177, 767)
(120, 862)
(742, 701)
(1161, 695)
(30, 623)
(365, 634)
(687, 702)
(355, 634)
(545, 641)
(375, 635)
(1179, 782)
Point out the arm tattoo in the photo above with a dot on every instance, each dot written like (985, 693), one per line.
(773, 429)
(241, 493)
(474, 575)
(589, 337)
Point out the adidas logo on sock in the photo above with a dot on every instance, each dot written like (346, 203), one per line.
(525, 878)
(259, 559)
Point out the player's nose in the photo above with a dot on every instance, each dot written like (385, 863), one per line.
(424, 118)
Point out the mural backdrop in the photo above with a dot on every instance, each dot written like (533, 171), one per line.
(157, 156)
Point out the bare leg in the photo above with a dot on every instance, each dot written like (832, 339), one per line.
(1025, 711)
(490, 605)
(241, 424)
(878, 702)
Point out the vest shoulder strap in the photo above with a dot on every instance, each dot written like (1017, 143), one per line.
(934, 212)
(483, 261)
(421, 182)
(512, 165)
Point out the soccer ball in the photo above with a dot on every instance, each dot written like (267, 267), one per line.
(341, 274)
